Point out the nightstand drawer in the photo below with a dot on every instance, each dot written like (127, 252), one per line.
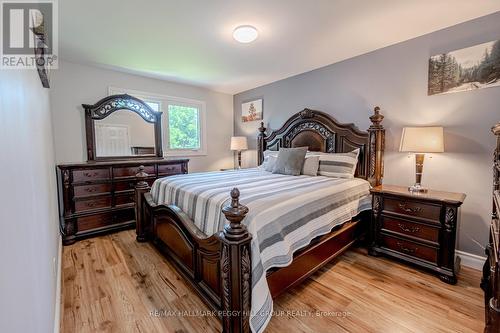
(409, 248)
(410, 228)
(412, 208)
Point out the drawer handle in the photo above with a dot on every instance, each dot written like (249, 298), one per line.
(406, 249)
(410, 210)
(406, 228)
(91, 204)
(90, 189)
(90, 174)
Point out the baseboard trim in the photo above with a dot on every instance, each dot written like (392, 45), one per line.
(57, 306)
(471, 260)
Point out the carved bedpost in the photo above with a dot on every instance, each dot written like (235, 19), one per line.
(490, 281)
(376, 148)
(236, 268)
(142, 225)
(261, 144)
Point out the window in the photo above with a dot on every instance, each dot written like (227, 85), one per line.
(153, 105)
(183, 122)
(184, 127)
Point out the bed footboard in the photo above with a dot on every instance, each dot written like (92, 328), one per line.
(218, 267)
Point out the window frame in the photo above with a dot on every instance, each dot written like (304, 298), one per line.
(165, 101)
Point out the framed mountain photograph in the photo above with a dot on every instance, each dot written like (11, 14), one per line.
(467, 69)
(251, 110)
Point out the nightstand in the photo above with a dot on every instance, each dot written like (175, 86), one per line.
(419, 228)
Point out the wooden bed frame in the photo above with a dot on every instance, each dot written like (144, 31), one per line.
(219, 266)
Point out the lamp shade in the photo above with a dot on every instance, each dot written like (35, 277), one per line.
(239, 143)
(422, 140)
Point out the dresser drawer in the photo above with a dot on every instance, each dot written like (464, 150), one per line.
(104, 219)
(410, 228)
(169, 169)
(409, 248)
(126, 185)
(132, 171)
(90, 174)
(83, 205)
(412, 208)
(124, 199)
(85, 190)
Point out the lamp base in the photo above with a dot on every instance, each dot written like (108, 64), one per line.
(419, 169)
(417, 188)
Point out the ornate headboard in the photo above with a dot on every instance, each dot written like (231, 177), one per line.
(321, 132)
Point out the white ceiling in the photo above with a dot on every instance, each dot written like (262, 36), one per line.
(191, 41)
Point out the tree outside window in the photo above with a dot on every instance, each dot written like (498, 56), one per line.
(183, 126)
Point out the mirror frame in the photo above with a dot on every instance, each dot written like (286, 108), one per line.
(107, 106)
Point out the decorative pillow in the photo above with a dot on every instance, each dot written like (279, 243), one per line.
(270, 153)
(290, 161)
(311, 165)
(269, 164)
(267, 154)
(342, 165)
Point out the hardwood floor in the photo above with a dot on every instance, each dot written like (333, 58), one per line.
(112, 284)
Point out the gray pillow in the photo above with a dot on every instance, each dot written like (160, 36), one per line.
(290, 161)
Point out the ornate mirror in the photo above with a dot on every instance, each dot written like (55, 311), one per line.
(122, 127)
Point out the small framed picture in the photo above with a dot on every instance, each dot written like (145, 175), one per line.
(251, 110)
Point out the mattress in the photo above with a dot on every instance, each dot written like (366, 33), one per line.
(285, 214)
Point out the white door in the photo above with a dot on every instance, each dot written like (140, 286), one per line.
(112, 140)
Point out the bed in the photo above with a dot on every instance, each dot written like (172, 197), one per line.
(274, 230)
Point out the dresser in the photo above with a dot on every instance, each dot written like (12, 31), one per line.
(98, 197)
(419, 229)
(490, 282)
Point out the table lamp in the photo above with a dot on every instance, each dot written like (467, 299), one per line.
(239, 143)
(421, 140)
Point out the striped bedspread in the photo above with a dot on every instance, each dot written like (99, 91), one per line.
(285, 214)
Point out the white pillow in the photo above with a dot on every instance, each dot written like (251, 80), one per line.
(341, 165)
(271, 162)
(311, 165)
(267, 154)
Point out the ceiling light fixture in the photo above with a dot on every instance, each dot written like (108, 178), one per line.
(245, 34)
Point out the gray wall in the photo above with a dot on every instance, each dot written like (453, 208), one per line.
(30, 236)
(73, 84)
(395, 78)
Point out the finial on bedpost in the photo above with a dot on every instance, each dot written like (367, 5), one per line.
(236, 268)
(142, 186)
(262, 129)
(376, 118)
(235, 213)
(235, 198)
(141, 177)
(261, 143)
(376, 148)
